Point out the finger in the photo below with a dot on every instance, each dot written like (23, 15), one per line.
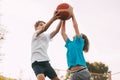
(56, 11)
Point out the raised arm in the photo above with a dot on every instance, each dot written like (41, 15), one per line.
(63, 31)
(55, 16)
(53, 33)
(75, 25)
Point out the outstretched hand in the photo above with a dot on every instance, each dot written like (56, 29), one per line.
(56, 15)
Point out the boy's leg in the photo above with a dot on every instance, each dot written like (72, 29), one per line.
(38, 70)
(50, 72)
(40, 77)
(56, 78)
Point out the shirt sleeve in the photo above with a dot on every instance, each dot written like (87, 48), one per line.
(35, 34)
(48, 36)
(79, 41)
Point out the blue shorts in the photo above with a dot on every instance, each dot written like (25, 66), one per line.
(44, 68)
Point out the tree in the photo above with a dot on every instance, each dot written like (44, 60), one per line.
(2, 37)
(97, 67)
(98, 70)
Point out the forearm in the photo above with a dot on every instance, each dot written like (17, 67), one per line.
(74, 21)
(58, 27)
(55, 16)
(75, 25)
(49, 23)
(64, 36)
(56, 30)
(63, 32)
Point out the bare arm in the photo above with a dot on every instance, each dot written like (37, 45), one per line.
(53, 33)
(55, 16)
(63, 31)
(75, 25)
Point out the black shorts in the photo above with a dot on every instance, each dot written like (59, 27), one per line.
(44, 68)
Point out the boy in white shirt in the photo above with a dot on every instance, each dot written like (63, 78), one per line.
(40, 42)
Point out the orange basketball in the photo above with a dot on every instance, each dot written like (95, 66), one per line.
(65, 11)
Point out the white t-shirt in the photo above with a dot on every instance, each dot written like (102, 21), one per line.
(39, 47)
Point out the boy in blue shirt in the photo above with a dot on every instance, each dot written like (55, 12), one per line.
(75, 57)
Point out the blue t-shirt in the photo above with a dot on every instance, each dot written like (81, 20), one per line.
(75, 52)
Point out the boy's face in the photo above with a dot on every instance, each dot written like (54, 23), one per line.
(40, 26)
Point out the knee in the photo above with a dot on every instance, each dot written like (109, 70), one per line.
(40, 77)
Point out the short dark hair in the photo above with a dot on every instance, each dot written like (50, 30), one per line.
(37, 23)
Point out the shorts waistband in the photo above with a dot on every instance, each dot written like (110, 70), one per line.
(78, 70)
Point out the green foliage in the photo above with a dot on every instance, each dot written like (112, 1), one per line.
(5, 78)
(98, 70)
(97, 67)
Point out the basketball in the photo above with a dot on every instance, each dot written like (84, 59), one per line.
(65, 11)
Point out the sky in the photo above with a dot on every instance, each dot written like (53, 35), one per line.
(98, 19)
